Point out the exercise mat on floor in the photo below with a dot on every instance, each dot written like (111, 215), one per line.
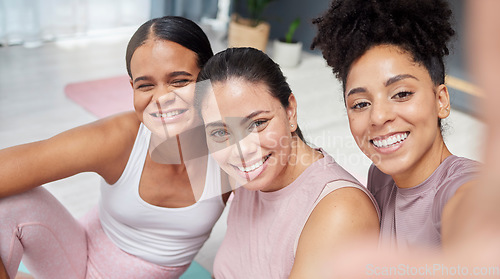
(102, 97)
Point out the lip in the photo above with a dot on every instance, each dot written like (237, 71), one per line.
(168, 116)
(251, 175)
(389, 143)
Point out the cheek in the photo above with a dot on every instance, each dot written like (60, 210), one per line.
(186, 93)
(141, 100)
(270, 140)
(418, 113)
(220, 155)
(276, 137)
(358, 126)
(140, 103)
(424, 106)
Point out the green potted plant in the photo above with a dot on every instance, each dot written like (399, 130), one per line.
(250, 32)
(287, 51)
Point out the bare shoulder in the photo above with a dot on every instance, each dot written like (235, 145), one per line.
(344, 213)
(344, 204)
(104, 138)
(454, 212)
(113, 133)
(102, 146)
(121, 124)
(116, 135)
(341, 219)
(455, 200)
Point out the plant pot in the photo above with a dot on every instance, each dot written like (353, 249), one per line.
(242, 34)
(287, 54)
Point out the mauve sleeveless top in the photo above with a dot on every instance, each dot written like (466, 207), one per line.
(411, 217)
(264, 227)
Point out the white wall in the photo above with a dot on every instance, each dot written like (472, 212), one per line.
(31, 22)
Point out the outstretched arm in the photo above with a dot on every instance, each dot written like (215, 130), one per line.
(97, 147)
(340, 219)
(3, 272)
(452, 219)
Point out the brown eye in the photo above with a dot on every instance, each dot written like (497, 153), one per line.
(402, 95)
(360, 105)
(143, 86)
(181, 82)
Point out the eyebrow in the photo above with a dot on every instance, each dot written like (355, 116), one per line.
(243, 120)
(215, 124)
(356, 90)
(387, 83)
(398, 78)
(253, 114)
(171, 75)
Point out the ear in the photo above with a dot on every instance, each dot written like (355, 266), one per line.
(443, 101)
(291, 112)
(131, 83)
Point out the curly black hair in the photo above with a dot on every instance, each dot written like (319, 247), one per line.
(350, 27)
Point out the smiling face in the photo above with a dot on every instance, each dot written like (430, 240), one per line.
(163, 78)
(249, 133)
(393, 109)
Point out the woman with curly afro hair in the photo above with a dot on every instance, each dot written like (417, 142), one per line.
(388, 54)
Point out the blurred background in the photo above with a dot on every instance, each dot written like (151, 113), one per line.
(33, 22)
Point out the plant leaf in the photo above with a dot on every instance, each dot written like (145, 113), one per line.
(292, 29)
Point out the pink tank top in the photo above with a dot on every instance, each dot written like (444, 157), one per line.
(412, 216)
(263, 227)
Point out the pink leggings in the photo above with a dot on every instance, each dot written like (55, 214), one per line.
(34, 226)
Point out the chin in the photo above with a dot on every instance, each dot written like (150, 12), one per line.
(163, 132)
(391, 168)
(253, 186)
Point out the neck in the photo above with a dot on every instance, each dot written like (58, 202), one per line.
(301, 157)
(182, 155)
(184, 147)
(424, 168)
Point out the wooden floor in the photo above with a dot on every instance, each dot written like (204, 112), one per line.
(33, 107)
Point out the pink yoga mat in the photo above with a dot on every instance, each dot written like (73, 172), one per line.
(102, 97)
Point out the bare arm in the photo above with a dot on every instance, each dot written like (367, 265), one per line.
(474, 210)
(99, 147)
(340, 219)
(483, 40)
(452, 216)
(3, 272)
(479, 210)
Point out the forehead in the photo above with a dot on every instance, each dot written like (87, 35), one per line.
(238, 97)
(382, 62)
(169, 55)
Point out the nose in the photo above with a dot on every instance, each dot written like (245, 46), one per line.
(381, 113)
(246, 147)
(163, 95)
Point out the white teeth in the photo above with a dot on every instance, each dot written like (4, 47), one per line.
(168, 114)
(254, 166)
(390, 140)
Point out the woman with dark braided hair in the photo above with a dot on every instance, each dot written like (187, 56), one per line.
(388, 55)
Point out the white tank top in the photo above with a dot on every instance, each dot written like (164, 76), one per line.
(164, 236)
